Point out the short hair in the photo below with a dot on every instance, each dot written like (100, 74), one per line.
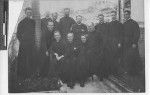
(79, 16)
(83, 35)
(129, 12)
(28, 8)
(100, 15)
(67, 9)
(114, 12)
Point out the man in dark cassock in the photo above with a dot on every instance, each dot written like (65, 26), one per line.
(54, 19)
(115, 36)
(131, 54)
(101, 42)
(92, 45)
(79, 29)
(66, 23)
(71, 54)
(46, 43)
(82, 63)
(58, 50)
(26, 37)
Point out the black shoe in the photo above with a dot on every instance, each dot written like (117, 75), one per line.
(71, 85)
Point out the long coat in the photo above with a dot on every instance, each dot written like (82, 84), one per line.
(101, 41)
(93, 52)
(26, 37)
(115, 37)
(71, 54)
(132, 59)
(82, 63)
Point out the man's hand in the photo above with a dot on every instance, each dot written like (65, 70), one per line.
(133, 45)
(119, 45)
(47, 53)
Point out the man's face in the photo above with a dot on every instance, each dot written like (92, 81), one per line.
(101, 18)
(54, 16)
(126, 15)
(29, 13)
(47, 15)
(83, 39)
(50, 26)
(67, 12)
(79, 19)
(57, 36)
(70, 37)
(114, 16)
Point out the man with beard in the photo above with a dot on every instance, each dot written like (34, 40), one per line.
(71, 53)
(101, 48)
(66, 23)
(54, 19)
(57, 51)
(79, 29)
(26, 37)
(132, 58)
(115, 34)
(82, 63)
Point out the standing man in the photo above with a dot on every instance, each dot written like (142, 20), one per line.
(115, 34)
(101, 40)
(54, 19)
(79, 29)
(26, 36)
(66, 23)
(47, 39)
(132, 58)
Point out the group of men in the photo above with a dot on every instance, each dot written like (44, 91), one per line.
(74, 52)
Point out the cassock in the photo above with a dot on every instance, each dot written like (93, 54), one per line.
(101, 47)
(26, 37)
(65, 25)
(59, 49)
(82, 63)
(132, 59)
(46, 43)
(71, 53)
(78, 30)
(92, 51)
(115, 36)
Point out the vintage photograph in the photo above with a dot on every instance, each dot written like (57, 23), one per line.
(76, 46)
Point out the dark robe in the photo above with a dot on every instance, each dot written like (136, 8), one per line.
(82, 63)
(92, 51)
(102, 56)
(115, 36)
(46, 43)
(79, 30)
(65, 25)
(132, 59)
(59, 48)
(26, 37)
(71, 53)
